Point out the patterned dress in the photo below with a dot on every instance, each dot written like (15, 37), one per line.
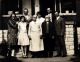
(12, 32)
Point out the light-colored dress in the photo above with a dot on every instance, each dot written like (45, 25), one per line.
(40, 20)
(36, 44)
(22, 34)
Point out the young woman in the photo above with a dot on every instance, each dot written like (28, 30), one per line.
(23, 39)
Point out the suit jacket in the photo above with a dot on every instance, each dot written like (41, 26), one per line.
(60, 26)
(51, 29)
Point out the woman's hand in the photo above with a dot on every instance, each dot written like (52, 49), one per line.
(29, 37)
(41, 36)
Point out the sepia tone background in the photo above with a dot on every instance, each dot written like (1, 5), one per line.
(69, 9)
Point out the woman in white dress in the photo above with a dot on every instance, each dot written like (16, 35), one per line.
(23, 39)
(35, 35)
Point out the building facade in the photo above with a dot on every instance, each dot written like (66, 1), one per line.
(69, 9)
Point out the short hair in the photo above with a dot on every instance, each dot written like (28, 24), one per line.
(23, 17)
(57, 11)
(11, 15)
(38, 13)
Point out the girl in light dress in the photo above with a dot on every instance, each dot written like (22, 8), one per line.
(23, 39)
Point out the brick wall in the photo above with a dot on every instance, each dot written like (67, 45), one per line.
(69, 39)
(0, 36)
(5, 35)
(78, 33)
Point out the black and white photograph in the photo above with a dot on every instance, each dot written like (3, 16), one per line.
(39, 30)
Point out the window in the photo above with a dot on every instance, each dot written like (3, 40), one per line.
(64, 5)
(68, 5)
(11, 5)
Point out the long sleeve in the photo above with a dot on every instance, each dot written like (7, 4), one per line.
(12, 25)
(29, 30)
(63, 27)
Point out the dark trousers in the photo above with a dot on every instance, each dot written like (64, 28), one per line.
(60, 46)
(48, 46)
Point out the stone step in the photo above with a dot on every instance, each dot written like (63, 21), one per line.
(19, 54)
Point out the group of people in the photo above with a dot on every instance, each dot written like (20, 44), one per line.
(36, 35)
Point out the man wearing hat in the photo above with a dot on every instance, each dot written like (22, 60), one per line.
(48, 36)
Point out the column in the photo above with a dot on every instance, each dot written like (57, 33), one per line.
(69, 39)
(55, 5)
(37, 6)
(60, 6)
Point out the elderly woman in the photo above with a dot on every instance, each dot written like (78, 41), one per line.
(12, 35)
(35, 33)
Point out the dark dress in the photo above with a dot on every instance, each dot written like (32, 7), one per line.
(12, 32)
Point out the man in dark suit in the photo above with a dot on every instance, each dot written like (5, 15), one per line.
(48, 35)
(60, 32)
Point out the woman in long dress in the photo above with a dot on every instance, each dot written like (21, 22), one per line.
(23, 39)
(12, 35)
(35, 34)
